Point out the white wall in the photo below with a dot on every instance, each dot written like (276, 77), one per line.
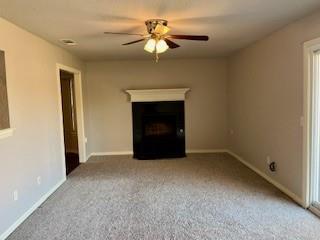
(110, 109)
(35, 148)
(265, 101)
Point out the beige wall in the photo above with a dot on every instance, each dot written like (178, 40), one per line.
(265, 101)
(35, 147)
(110, 110)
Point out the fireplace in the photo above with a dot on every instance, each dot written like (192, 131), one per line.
(158, 129)
(159, 126)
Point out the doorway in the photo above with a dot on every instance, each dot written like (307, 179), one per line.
(312, 126)
(70, 131)
(315, 132)
(77, 114)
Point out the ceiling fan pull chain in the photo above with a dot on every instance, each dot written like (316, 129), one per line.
(157, 57)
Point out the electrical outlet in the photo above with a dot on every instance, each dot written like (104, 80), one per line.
(268, 160)
(15, 195)
(273, 167)
(39, 180)
(231, 131)
(85, 140)
(271, 164)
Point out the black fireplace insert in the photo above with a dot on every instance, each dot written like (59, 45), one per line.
(158, 129)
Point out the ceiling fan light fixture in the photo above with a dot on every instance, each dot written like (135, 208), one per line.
(161, 29)
(150, 45)
(158, 40)
(162, 46)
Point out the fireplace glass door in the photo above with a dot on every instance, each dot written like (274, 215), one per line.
(158, 130)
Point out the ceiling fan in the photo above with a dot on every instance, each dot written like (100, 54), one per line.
(158, 38)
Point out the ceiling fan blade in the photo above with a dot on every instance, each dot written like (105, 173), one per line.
(190, 37)
(136, 41)
(171, 44)
(123, 33)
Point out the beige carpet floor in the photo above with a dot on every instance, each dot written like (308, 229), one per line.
(210, 196)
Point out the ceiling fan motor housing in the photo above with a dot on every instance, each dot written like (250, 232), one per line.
(152, 24)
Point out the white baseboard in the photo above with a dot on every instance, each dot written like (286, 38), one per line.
(111, 153)
(130, 152)
(119, 153)
(4, 235)
(206, 151)
(316, 211)
(282, 188)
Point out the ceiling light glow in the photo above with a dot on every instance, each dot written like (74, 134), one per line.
(161, 46)
(150, 45)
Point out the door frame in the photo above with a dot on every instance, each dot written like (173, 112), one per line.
(79, 113)
(309, 48)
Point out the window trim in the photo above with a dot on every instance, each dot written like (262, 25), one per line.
(309, 49)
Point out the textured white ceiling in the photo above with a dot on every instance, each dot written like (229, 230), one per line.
(230, 24)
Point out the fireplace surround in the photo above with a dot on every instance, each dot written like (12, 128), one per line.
(158, 122)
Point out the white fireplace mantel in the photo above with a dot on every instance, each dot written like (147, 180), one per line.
(158, 95)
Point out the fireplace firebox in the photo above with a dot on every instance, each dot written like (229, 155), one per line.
(158, 129)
